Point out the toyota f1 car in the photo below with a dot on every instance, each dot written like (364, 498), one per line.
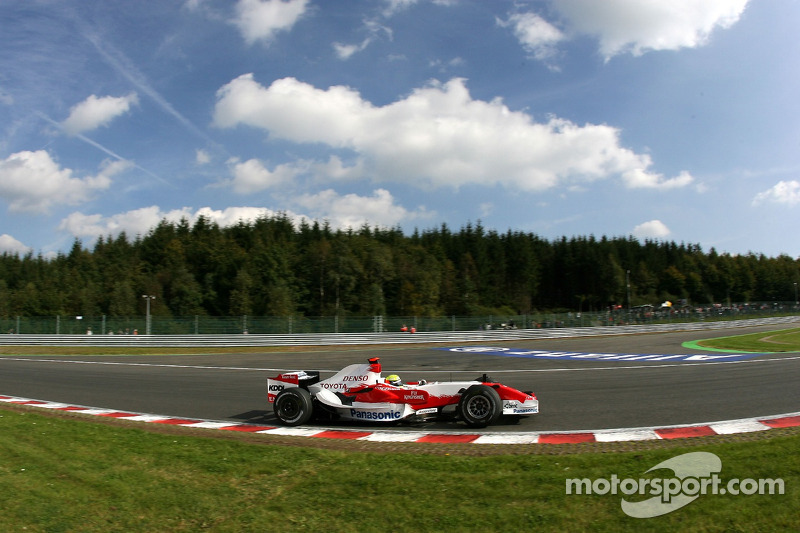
(358, 392)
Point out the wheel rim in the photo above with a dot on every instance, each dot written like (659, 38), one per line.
(290, 409)
(478, 407)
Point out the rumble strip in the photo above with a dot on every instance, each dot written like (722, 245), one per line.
(744, 425)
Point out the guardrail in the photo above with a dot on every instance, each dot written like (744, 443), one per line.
(339, 339)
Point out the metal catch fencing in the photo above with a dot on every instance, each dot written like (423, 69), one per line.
(291, 325)
(142, 332)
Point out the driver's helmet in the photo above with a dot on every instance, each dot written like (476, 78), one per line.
(394, 379)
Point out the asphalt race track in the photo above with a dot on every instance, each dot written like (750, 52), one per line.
(574, 394)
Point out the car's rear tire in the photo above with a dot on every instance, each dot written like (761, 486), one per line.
(293, 406)
(480, 406)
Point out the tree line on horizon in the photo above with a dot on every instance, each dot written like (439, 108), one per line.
(270, 267)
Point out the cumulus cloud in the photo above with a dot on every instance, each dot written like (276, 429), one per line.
(33, 182)
(640, 179)
(260, 20)
(341, 211)
(653, 229)
(535, 34)
(136, 222)
(336, 169)
(95, 112)
(783, 192)
(140, 221)
(10, 245)
(252, 176)
(353, 211)
(438, 136)
(637, 26)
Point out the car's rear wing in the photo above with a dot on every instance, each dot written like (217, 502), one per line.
(288, 380)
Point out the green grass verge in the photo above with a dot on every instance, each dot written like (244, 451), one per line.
(63, 475)
(787, 340)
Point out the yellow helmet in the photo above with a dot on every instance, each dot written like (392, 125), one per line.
(394, 379)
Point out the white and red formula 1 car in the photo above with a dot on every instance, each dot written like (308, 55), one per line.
(358, 392)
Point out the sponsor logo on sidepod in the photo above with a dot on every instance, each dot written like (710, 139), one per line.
(414, 396)
(372, 415)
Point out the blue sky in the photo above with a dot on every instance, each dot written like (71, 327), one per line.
(676, 121)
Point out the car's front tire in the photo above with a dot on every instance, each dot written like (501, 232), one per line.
(294, 406)
(480, 406)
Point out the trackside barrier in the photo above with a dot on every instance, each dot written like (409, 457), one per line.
(339, 339)
(292, 325)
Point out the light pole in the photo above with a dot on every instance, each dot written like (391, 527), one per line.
(147, 298)
(795, 295)
(628, 289)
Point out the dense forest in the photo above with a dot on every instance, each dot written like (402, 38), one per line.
(270, 267)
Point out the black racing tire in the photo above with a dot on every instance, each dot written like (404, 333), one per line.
(480, 406)
(294, 406)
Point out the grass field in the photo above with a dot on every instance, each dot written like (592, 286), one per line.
(67, 473)
(787, 340)
(60, 474)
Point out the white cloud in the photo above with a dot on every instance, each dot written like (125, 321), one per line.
(335, 169)
(783, 192)
(202, 157)
(654, 229)
(81, 225)
(536, 35)
(640, 179)
(110, 168)
(341, 211)
(438, 136)
(260, 20)
(637, 26)
(95, 112)
(140, 221)
(344, 51)
(32, 181)
(445, 66)
(233, 215)
(353, 211)
(10, 245)
(135, 222)
(394, 6)
(193, 5)
(252, 176)
(375, 30)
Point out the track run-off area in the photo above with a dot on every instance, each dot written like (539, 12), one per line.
(590, 388)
